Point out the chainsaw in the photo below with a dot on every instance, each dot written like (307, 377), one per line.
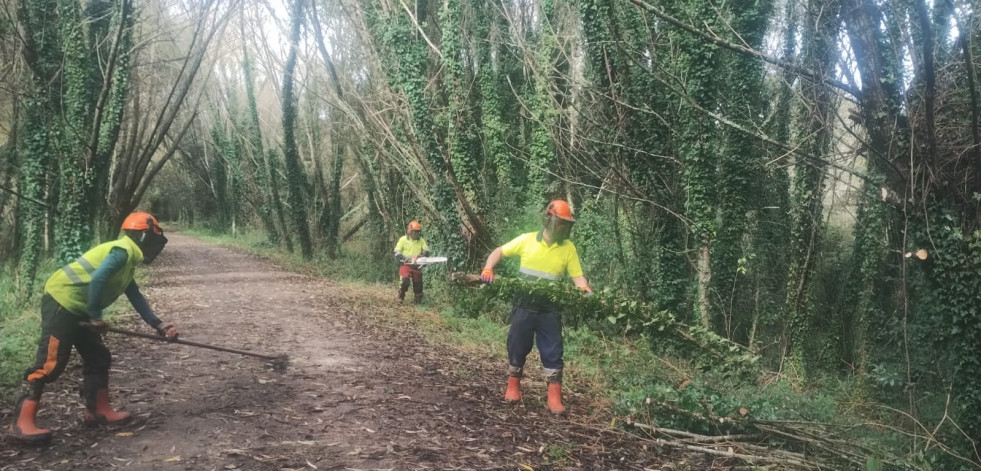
(427, 261)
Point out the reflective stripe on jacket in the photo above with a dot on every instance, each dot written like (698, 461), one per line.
(70, 285)
(540, 261)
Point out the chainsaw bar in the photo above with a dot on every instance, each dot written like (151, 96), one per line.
(429, 260)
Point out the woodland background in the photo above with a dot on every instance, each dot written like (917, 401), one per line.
(801, 178)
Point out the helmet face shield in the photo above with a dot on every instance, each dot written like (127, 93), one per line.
(414, 230)
(152, 244)
(559, 220)
(559, 229)
(143, 229)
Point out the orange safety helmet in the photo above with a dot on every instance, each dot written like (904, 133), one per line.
(143, 229)
(414, 226)
(561, 210)
(141, 221)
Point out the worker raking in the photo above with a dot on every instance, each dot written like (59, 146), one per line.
(71, 317)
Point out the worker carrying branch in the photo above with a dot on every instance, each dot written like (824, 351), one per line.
(409, 248)
(545, 255)
(71, 316)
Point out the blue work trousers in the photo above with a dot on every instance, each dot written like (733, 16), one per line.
(530, 326)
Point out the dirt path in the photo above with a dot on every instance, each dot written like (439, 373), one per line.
(358, 394)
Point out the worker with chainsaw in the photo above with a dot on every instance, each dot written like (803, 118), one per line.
(409, 248)
(71, 316)
(545, 255)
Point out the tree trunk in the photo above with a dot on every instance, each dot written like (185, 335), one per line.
(294, 168)
(334, 197)
(260, 167)
(815, 130)
(704, 282)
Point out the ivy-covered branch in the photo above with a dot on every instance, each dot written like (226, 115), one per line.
(611, 312)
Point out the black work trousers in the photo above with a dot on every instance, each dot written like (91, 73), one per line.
(530, 325)
(60, 331)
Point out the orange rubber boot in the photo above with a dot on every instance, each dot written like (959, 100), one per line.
(513, 393)
(103, 412)
(24, 428)
(555, 398)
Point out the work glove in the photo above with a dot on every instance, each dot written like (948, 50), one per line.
(487, 275)
(587, 290)
(168, 331)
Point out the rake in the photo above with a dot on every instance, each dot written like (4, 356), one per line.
(278, 362)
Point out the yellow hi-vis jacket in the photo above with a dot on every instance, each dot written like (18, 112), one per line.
(410, 248)
(70, 285)
(544, 262)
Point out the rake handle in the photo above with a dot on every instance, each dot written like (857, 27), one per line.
(193, 344)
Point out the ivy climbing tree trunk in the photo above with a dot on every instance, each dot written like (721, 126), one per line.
(698, 138)
(541, 154)
(260, 167)
(409, 77)
(225, 152)
(814, 132)
(276, 181)
(56, 51)
(42, 55)
(236, 181)
(465, 156)
(499, 183)
(740, 170)
(294, 168)
(334, 196)
(73, 228)
(31, 183)
(881, 104)
(110, 109)
(8, 166)
(772, 232)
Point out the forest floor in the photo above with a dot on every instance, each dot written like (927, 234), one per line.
(363, 390)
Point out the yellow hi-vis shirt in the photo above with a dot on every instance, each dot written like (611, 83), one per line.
(409, 247)
(541, 261)
(70, 285)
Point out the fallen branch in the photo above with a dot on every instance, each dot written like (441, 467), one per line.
(607, 311)
(779, 459)
(738, 441)
(693, 436)
(799, 461)
(465, 279)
